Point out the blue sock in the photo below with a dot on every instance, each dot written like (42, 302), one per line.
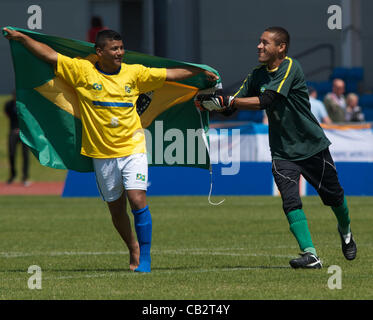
(143, 227)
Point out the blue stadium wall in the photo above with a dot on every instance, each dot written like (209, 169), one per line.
(254, 178)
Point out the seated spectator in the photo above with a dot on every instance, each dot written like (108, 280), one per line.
(353, 111)
(318, 108)
(335, 102)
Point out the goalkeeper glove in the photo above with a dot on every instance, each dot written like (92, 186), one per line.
(213, 102)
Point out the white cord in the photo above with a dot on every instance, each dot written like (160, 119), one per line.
(210, 168)
(209, 198)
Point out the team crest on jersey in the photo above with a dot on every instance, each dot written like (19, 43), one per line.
(140, 177)
(97, 86)
(127, 89)
(262, 89)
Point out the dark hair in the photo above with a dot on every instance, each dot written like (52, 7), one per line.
(96, 22)
(105, 35)
(281, 36)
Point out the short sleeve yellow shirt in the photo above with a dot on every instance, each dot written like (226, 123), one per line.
(111, 125)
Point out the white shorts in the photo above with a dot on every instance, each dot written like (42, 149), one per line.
(114, 175)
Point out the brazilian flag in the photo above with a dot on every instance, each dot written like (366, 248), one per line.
(48, 108)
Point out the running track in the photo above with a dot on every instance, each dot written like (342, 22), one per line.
(35, 188)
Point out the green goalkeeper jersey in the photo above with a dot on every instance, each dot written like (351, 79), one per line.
(294, 132)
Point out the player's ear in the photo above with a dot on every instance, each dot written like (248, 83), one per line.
(98, 51)
(282, 48)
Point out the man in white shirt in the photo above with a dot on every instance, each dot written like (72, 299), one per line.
(318, 108)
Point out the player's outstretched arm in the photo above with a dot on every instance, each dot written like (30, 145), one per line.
(263, 101)
(221, 103)
(39, 49)
(250, 103)
(182, 73)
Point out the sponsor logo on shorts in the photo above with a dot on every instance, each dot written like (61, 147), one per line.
(140, 177)
(114, 122)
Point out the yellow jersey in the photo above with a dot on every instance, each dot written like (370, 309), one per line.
(111, 127)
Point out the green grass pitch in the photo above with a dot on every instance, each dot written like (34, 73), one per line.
(238, 250)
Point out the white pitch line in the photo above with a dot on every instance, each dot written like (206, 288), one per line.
(214, 253)
(53, 254)
(194, 251)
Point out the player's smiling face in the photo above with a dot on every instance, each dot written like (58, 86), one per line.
(268, 50)
(111, 55)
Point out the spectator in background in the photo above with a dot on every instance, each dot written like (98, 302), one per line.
(335, 102)
(317, 107)
(96, 26)
(13, 140)
(353, 111)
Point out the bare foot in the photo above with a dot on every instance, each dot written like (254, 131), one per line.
(134, 256)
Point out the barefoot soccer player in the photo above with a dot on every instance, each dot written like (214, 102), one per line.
(107, 90)
(298, 143)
